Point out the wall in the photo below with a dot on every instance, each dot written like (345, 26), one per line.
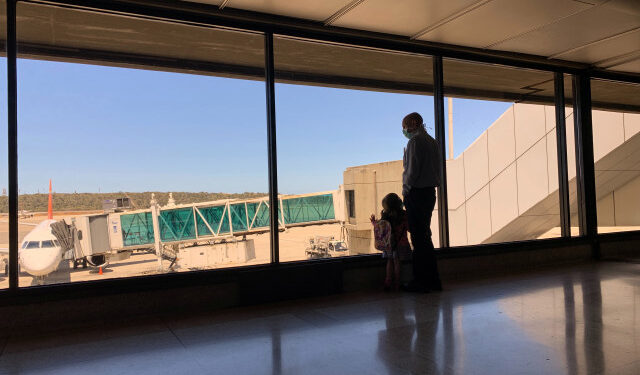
(504, 186)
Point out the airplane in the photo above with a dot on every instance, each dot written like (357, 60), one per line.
(40, 252)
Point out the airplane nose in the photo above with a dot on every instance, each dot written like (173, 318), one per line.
(39, 262)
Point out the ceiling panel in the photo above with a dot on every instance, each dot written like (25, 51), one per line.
(400, 17)
(501, 19)
(312, 62)
(212, 2)
(61, 30)
(606, 49)
(614, 92)
(589, 26)
(631, 67)
(308, 9)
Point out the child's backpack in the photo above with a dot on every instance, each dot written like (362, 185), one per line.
(382, 234)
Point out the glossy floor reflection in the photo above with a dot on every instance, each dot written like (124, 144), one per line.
(578, 320)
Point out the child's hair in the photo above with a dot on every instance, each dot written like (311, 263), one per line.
(392, 208)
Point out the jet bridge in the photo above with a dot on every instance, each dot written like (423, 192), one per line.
(219, 219)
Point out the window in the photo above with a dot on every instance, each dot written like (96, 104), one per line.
(351, 203)
(33, 245)
(340, 142)
(616, 146)
(4, 173)
(153, 119)
(501, 170)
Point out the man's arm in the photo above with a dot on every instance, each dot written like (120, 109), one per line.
(412, 168)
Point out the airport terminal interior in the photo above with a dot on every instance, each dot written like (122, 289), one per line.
(188, 186)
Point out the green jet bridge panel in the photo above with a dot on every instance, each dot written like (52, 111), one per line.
(225, 218)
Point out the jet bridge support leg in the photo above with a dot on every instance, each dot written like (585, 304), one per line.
(156, 230)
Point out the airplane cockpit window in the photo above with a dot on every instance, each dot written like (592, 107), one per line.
(33, 244)
(47, 243)
(24, 245)
(55, 242)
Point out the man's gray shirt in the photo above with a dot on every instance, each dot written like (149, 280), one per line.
(421, 163)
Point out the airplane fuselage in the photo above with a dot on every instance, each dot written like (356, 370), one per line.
(40, 252)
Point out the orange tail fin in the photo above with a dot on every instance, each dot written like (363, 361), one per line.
(50, 208)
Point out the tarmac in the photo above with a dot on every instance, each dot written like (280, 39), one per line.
(293, 242)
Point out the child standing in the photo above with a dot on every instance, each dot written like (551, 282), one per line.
(394, 213)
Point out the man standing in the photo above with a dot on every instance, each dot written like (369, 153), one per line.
(420, 178)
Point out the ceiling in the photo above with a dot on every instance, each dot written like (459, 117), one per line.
(73, 35)
(604, 34)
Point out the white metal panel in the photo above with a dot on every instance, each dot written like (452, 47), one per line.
(631, 67)
(115, 232)
(406, 17)
(479, 217)
(504, 198)
(501, 143)
(501, 19)
(608, 132)
(210, 2)
(631, 125)
(458, 226)
(529, 124)
(586, 27)
(627, 202)
(608, 48)
(571, 146)
(552, 161)
(533, 182)
(307, 9)
(476, 165)
(435, 229)
(550, 117)
(455, 182)
(605, 210)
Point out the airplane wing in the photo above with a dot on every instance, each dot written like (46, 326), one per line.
(22, 223)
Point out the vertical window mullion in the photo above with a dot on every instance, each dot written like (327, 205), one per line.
(438, 101)
(12, 139)
(271, 147)
(585, 168)
(561, 141)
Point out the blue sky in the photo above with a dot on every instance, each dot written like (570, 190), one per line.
(93, 128)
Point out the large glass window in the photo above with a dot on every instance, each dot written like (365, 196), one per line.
(502, 169)
(4, 177)
(340, 143)
(616, 147)
(153, 136)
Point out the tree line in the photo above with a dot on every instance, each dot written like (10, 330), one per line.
(93, 201)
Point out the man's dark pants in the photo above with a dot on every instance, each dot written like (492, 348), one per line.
(419, 203)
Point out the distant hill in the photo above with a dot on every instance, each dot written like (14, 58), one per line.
(93, 201)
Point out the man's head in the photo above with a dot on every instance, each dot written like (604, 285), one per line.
(412, 122)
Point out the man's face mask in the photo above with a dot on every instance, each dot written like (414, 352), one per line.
(407, 133)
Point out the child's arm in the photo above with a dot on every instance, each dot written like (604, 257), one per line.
(373, 218)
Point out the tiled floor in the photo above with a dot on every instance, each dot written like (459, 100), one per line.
(577, 320)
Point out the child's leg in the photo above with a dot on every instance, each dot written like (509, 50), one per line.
(389, 277)
(397, 269)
